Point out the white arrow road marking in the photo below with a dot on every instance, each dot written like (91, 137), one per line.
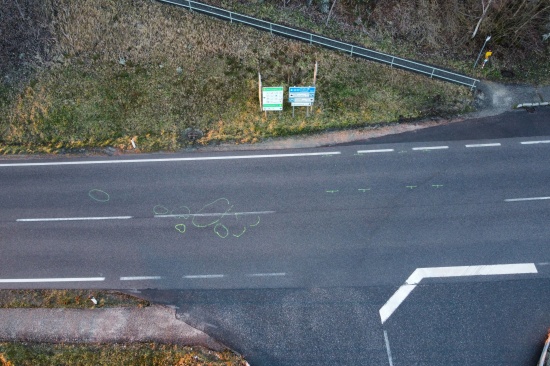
(420, 273)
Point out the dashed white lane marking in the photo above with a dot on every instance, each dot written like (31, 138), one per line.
(266, 274)
(420, 273)
(140, 278)
(430, 148)
(41, 280)
(76, 218)
(374, 151)
(217, 214)
(204, 276)
(202, 158)
(526, 199)
(388, 350)
(484, 145)
(535, 142)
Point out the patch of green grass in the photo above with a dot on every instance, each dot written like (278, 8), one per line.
(149, 354)
(74, 299)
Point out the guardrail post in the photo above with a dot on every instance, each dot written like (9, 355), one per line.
(190, 7)
(230, 17)
(432, 74)
(270, 28)
(393, 58)
(351, 53)
(310, 38)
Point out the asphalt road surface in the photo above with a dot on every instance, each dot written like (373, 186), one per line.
(294, 257)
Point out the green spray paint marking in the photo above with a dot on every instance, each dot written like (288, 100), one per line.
(238, 236)
(364, 189)
(99, 195)
(219, 229)
(183, 212)
(181, 228)
(332, 191)
(437, 185)
(211, 215)
(160, 210)
(411, 187)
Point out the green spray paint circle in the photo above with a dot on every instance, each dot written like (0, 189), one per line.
(221, 230)
(160, 210)
(181, 228)
(99, 195)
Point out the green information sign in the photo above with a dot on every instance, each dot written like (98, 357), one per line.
(272, 98)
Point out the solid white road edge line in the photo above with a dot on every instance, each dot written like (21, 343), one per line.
(36, 280)
(204, 276)
(203, 158)
(430, 148)
(526, 199)
(484, 145)
(217, 214)
(535, 142)
(140, 278)
(374, 151)
(76, 218)
(420, 273)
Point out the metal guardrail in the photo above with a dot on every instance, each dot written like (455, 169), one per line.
(312, 38)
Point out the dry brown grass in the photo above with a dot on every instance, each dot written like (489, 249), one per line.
(138, 69)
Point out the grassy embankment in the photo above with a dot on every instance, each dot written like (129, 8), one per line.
(139, 69)
(43, 354)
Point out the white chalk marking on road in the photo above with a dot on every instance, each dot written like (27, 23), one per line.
(430, 148)
(420, 273)
(202, 158)
(40, 280)
(535, 142)
(204, 276)
(388, 350)
(76, 218)
(140, 278)
(217, 214)
(526, 199)
(374, 151)
(266, 274)
(484, 145)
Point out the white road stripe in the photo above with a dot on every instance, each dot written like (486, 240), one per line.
(484, 145)
(388, 350)
(76, 218)
(266, 274)
(140, 278)
(430, 148)
(535, 142)
(420, 273)
(217, 214)
(41, 280)
(204, 276)
(202, 158)
(374, 151)
(526, 199)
